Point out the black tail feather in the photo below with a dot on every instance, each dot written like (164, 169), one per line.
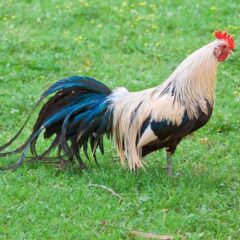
(78, 115)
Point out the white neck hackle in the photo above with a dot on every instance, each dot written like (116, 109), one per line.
(193, 81)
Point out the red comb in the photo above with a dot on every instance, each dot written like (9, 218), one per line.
(224, 36)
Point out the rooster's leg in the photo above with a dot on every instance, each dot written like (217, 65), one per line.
(169, 164)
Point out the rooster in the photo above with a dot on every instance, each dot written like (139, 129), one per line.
(82, 110)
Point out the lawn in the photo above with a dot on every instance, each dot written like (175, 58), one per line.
(135, 44)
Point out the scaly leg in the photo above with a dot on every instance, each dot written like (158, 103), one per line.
(169, 164)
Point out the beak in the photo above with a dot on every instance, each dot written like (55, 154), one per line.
(232, 51)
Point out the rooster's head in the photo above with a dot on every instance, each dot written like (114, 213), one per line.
(225, 46)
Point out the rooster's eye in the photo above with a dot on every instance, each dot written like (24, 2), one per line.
(224, 47)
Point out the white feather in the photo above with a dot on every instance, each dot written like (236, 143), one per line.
(148, 136)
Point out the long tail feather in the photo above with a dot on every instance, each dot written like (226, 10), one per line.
(78, 115)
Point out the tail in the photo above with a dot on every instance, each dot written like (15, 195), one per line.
(75, 116)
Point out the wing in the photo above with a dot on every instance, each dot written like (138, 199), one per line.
(163, 131)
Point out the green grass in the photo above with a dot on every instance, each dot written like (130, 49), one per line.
(122, 43)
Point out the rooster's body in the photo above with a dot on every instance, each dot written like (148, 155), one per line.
(83, 110)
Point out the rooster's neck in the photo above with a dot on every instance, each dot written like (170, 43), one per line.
(192, 84)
